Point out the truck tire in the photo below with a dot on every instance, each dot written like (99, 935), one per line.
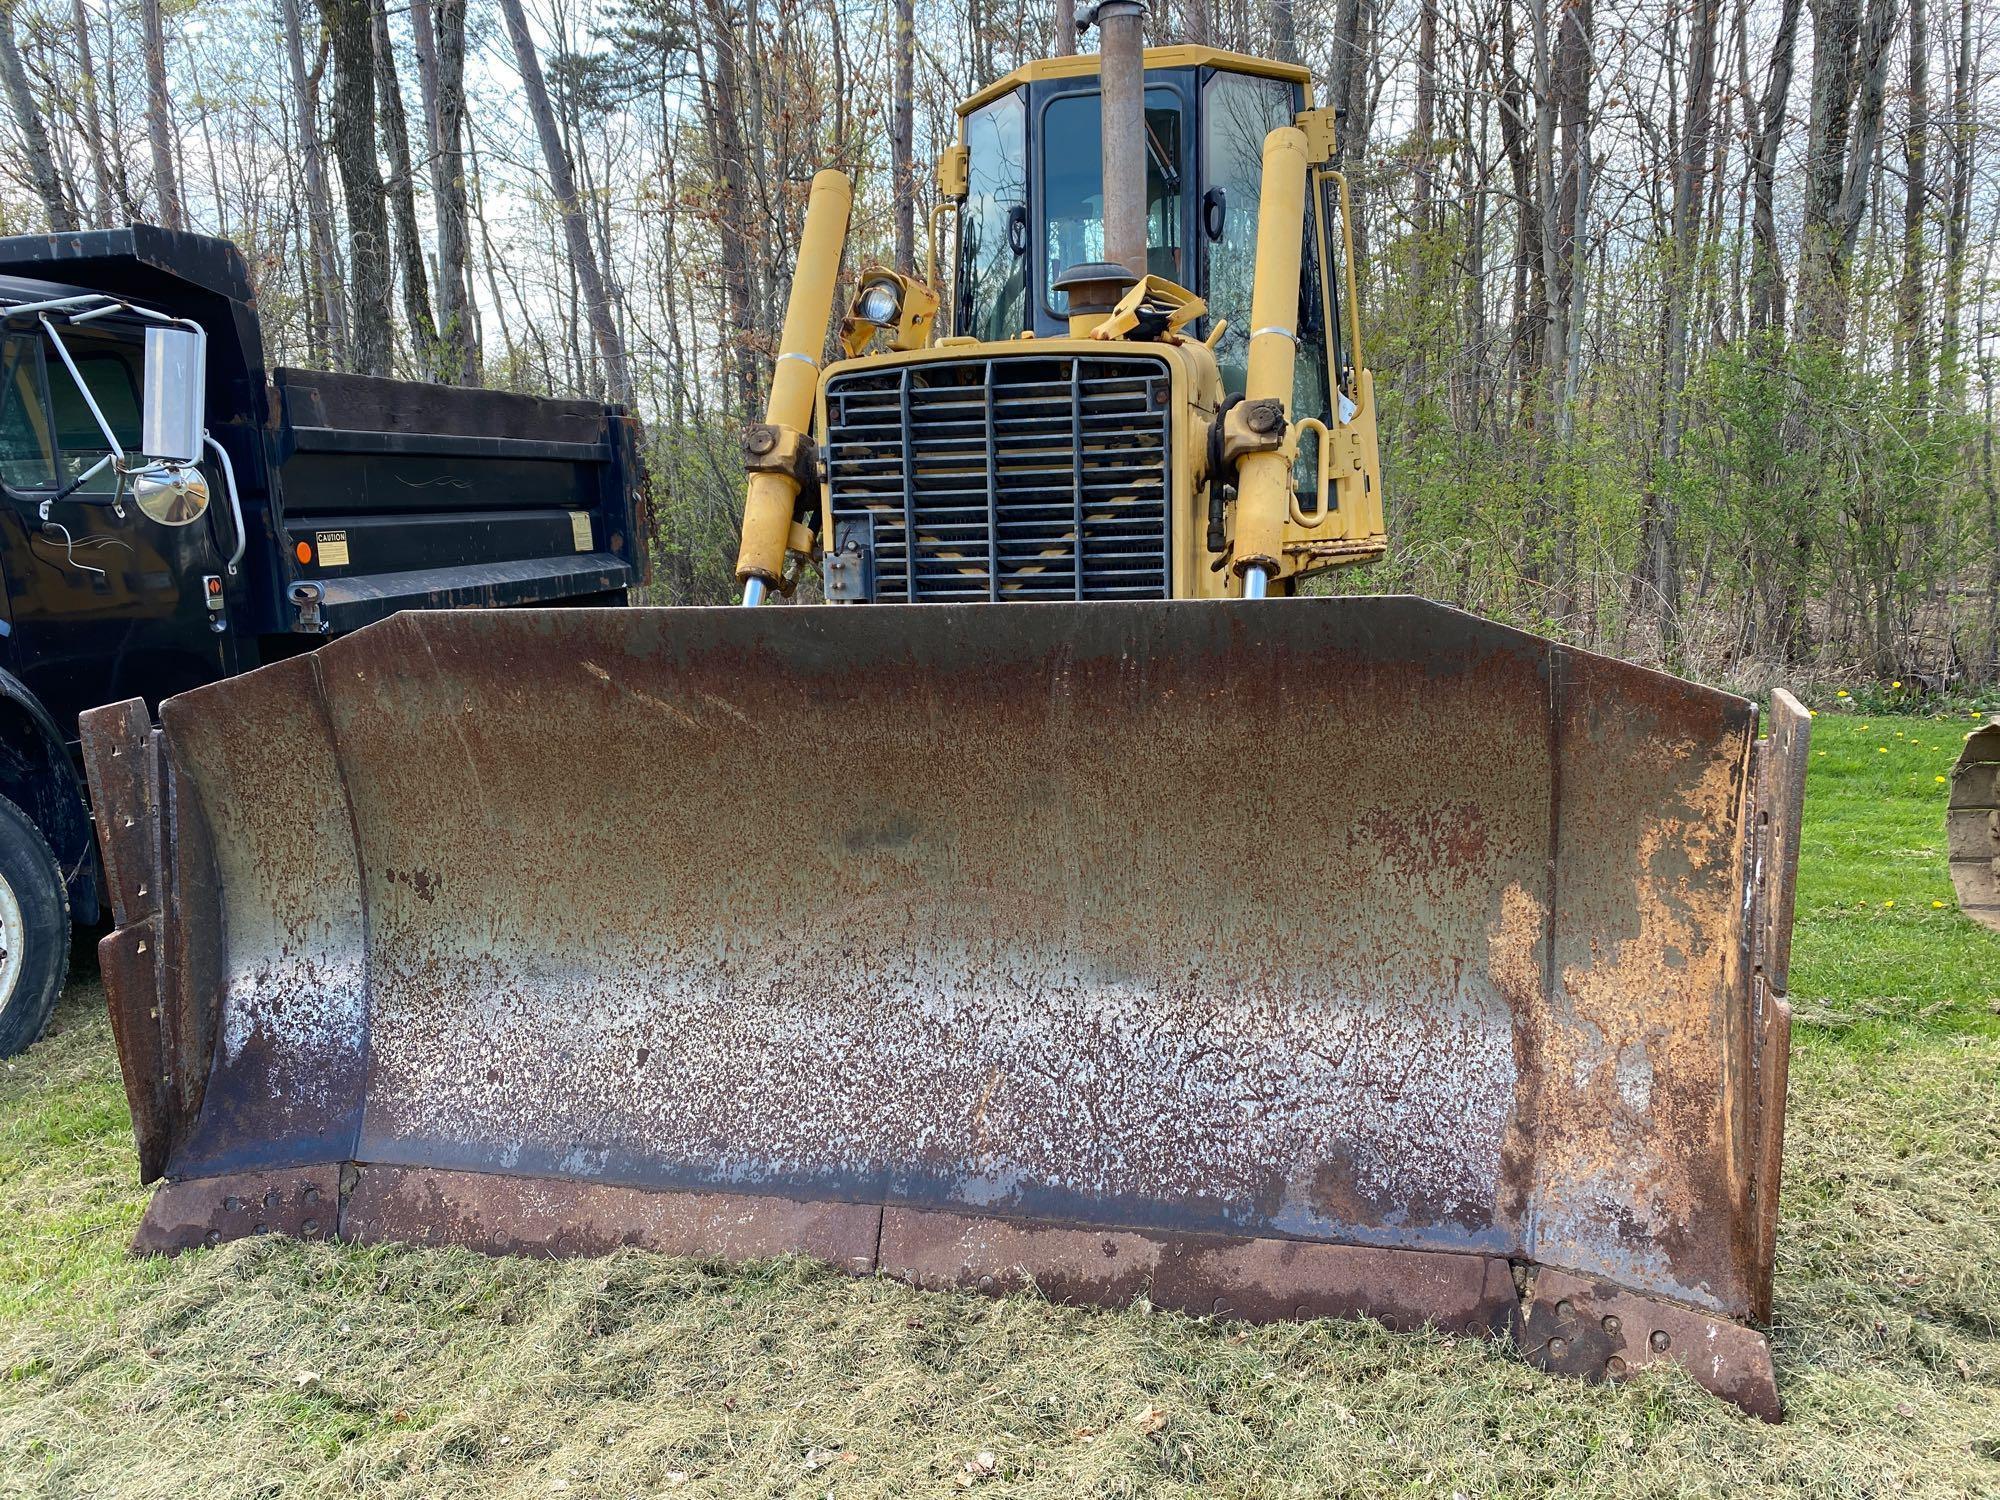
(34, 931)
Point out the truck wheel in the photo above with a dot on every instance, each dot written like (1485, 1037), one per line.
(34, 930)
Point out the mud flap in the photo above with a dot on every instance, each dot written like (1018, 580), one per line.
(1270, 959)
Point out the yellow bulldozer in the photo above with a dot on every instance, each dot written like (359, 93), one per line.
(1068, 902)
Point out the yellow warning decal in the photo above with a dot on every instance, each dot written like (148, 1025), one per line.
(579, 529)
(332, 548)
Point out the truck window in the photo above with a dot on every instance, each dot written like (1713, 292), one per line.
(110, 366)
(993, 281)
(1073, 188)
(27, 461)
(1238, 111)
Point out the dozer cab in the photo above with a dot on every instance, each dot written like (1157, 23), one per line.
(1056, 906)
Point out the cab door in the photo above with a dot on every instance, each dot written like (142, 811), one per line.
(105, 604)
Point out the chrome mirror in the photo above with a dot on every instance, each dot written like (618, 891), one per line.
(170, 494)
(173, 398)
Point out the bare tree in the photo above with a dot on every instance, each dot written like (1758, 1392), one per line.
(443, 42)
(103, 205)
(1850, 64)
(159, 116)
(312, 165)
(402, 192)
(902, 135)
(351, 28)
(1767, 268)
(582, 255)
(1912, 332)
(27, 114)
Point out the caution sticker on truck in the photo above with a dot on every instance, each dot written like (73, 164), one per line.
(579, 529)
(332, 548)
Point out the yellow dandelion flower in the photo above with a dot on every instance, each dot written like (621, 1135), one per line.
(1841, 694)
(1895, 684)
(1937, 906)
(1888, 903)
(1881, 749)
(1938, 779)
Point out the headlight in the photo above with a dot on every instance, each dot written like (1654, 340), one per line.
(880, 303)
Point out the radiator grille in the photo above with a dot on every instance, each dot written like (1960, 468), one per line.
(1019, 477)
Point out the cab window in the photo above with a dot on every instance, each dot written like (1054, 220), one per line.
(1073, 189)
(109, 366)
(992, 293)
(1237, 113)
(27, 459)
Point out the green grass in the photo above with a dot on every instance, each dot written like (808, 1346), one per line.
(1880, 950)
(276, 1368)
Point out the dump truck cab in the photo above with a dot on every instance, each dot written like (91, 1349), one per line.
(174, 512)
(993, 437)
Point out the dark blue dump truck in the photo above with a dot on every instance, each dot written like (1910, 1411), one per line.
(175, 512)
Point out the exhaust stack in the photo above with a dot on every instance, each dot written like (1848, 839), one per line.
(1121, 30)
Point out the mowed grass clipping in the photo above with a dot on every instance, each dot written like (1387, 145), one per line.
(274, 1368)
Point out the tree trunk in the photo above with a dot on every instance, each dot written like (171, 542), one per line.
(1958, 216)
(902, 135)
(159, 118)
(1426, 124)
(403, 195)
(446, 31)
(312, 164)
(102, 203)
(1850, 64)
(723, 98)
(351, 26)
(1282, 18)
(1682, 256)
(583, 258)
(1767, 267)
(1910, 309)
(34, 133)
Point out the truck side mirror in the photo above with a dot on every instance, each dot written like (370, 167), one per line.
(174, 395)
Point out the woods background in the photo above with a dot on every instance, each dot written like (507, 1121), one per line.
(1683, 313)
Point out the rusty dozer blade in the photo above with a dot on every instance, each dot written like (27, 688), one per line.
(1972, 825)
(1292, 958)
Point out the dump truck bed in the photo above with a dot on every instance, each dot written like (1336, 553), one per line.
(1300, 957)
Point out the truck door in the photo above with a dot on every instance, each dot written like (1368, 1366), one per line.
(105, 603)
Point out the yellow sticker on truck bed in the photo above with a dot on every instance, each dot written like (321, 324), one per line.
(579, 529)
(332, 548)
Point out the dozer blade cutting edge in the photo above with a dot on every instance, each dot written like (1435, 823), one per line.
(1301, 958)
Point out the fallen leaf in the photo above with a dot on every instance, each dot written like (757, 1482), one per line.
(306, 1380)
(819, 1458)
(1152, 1419)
